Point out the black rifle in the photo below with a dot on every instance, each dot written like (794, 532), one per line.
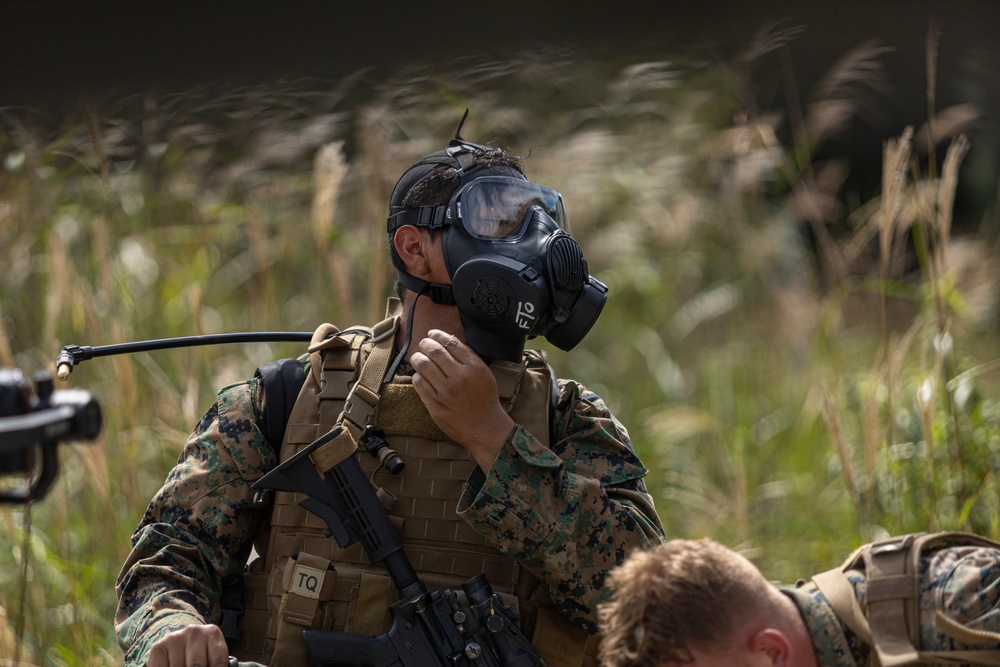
(428, 628)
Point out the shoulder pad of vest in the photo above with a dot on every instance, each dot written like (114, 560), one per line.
(280, 382)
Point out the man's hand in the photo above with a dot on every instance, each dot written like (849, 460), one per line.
(192, 646)
(460, 394)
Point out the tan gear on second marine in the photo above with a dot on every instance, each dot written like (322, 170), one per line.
(346, 592)
(890, 620)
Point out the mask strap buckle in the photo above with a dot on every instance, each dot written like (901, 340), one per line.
(441, 294)
(431, 217)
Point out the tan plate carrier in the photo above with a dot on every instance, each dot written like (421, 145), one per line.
(305, 580)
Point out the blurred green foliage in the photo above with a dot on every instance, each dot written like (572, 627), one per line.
(797, 372)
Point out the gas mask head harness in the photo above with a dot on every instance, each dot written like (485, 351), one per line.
(515, 271)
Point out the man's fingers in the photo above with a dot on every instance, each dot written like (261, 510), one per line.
(175, 655)
(429, 369)
(158, 657)
(201, 645)
(433, 352)
(456, 348)
(425, 390)
(435, 362)
(196, 654)
(217, 650)
(169, 654)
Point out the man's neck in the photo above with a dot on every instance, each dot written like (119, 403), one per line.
(426, 316)
(794, 627)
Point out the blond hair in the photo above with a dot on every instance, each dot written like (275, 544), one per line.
(683, 595)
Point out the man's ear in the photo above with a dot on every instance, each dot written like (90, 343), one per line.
(771, 647)
(412, 244)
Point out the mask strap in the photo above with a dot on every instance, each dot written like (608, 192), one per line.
(438, 293)
(391, 371)
(462, 153)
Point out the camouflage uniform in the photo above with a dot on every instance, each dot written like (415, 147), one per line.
(961, 582)
(541, 506)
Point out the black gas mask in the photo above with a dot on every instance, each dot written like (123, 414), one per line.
(516, 272)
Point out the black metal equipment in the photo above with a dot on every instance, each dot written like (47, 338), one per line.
(33, 423)
(71, 355)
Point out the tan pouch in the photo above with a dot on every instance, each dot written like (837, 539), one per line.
(308, 583)
(369, 614)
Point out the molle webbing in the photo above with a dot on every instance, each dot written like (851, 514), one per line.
(890, 621)
(361, 401)
(443, 548)
(335, 356)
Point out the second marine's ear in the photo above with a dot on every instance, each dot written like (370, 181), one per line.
(770, 648)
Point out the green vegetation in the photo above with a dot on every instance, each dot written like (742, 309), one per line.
(791, 400)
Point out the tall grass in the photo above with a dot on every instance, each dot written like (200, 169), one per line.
(790, 401)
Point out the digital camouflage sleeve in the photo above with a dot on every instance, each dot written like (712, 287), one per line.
(963, 583)
(198, 528)
(569, 514)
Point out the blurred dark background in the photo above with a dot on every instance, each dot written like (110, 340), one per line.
(51, 50)
(54, 53)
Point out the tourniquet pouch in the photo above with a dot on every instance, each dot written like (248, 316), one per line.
(308, 583)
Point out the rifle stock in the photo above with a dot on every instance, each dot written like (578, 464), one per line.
(351, 649)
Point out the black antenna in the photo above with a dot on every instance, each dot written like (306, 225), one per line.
(460, 124)
(71, 355)
(458, 145)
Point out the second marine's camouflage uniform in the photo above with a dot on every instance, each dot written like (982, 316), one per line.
(567, 513)
(961, 582)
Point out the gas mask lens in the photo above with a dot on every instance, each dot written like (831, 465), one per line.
(496, 208)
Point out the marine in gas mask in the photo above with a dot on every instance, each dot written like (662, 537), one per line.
(509, 469)
(515, 271)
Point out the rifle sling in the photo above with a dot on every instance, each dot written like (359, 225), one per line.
(359, 408)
